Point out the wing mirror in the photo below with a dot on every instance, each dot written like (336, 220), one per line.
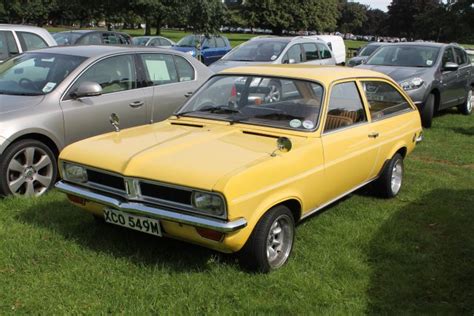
(87, 89)
(449, 66)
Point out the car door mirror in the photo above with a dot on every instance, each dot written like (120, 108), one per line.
(449, 66)
(87, 89)
(205, 47)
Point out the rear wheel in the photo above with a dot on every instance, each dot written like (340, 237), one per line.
(390, 181)
(466, 107)
(271, 242)
(27, 168)
(428, 111)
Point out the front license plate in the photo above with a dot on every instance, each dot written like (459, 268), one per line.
(140, 223)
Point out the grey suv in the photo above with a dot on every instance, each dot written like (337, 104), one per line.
(436, 76)
(55, 96)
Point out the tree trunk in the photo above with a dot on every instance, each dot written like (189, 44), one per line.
(147, 27)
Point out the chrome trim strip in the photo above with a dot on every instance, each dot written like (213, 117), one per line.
(141, 209)
(309, 213)
(419, 138)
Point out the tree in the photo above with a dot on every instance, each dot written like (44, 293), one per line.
(206, 16)
(376, 23)
(353, 16)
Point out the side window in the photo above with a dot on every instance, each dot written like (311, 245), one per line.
(90, 39)
(293, 53)
(448, 56)
(7, 45)
(155, 42)
(114, 74)
(345, 107)
(220, 42)
(160, 68)
(165, 42)
(185, 70)
(383, 99)
(460, 56)
(30, 41)
(110, 38)
(324, 52)
(310, 51)
(210, 43)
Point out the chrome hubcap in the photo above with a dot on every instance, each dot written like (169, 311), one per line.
(397, 175)
(279, 241)
(30, 172)
(274, 95)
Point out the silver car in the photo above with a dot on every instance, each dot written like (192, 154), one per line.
(52, 97)
(155, 41)
(277, 50)
(15, 39)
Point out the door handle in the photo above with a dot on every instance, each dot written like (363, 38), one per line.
(136, 104)
(374, 135)
(188, 94)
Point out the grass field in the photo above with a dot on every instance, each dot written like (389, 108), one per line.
(411, 254)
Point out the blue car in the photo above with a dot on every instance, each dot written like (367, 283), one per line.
(208, 49)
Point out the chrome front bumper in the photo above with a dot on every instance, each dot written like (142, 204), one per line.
(151, 211)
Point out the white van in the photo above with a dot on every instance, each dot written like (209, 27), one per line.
(336, 44)
(16, 39)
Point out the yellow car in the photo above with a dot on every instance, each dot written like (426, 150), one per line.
(252, 152)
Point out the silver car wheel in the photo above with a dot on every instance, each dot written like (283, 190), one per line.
(279, 241)
(397, 176)
(275, 94)
(30, 172)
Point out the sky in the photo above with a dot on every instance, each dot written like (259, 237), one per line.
(377, 4)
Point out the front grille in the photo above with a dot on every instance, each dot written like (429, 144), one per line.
(166, 193)
(106, 179)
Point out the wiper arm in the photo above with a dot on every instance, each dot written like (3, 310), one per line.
(211, 109)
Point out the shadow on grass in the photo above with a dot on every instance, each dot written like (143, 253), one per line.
(422, 258)
(142, 249)
(464, 131)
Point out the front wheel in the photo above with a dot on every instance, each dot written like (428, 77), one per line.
(271, 242)
(390, 181)
(466, 107)
(27, 168)
(428, 111)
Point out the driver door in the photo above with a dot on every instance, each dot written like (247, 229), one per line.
(89, 116)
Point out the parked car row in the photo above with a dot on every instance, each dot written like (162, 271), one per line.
(153, 140)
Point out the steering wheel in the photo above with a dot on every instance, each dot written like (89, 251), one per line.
(27, 83)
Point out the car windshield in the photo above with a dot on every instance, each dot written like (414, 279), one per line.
(368, 50)
(405, 56)
(189, 41)
(140, 41)
(36, 73)
(66, 38)
(269, 101)
(257, 51)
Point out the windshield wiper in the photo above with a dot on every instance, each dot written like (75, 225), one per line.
(280, 115)
(211, 109)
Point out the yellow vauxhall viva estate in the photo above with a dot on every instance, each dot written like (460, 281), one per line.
(252, 152)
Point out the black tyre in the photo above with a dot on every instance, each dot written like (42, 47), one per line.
(428, 111)
(27, 168)
(466, 107)
(390, 181)
(271, 242)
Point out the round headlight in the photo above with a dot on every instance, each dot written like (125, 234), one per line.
(74, 173)
(211, 204)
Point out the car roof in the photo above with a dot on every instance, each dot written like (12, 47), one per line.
(323, 74)
(424, 44)
(20, 27)
(99, 50)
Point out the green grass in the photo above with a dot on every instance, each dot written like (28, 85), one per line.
(411, 254)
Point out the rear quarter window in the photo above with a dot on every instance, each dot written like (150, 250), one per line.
(384, 100)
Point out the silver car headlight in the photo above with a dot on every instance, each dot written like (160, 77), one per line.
(74, 173)
(211, 204)
(411, 84)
